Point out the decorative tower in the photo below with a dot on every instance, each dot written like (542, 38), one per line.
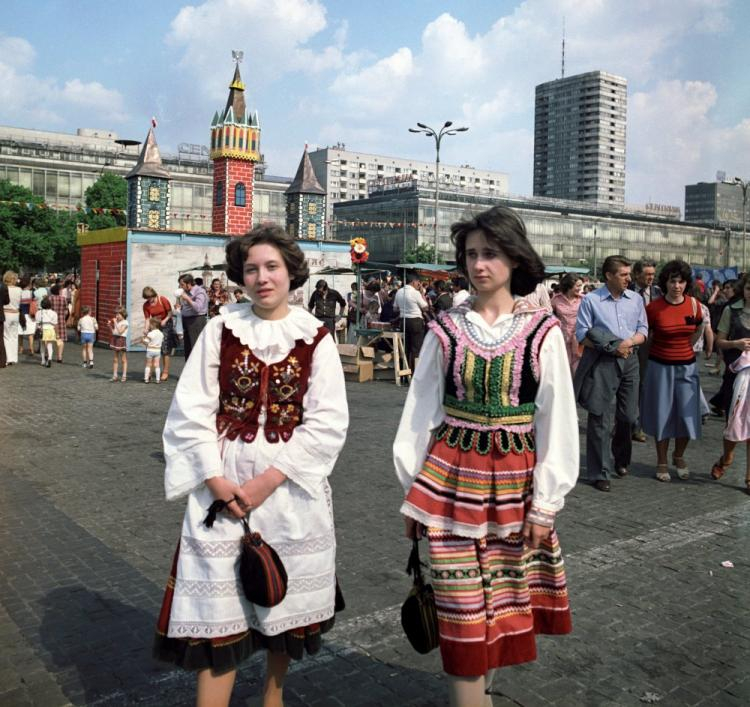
(235, 148)
(305, 203)
(149, 189)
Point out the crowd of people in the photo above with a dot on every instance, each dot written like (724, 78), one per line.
(486, 448)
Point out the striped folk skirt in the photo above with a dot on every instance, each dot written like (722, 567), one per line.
(493, 593)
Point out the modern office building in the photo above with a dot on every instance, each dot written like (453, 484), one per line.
(398, 216)
(717, 203)
(347, 175)
(579, 138)
(59, 167)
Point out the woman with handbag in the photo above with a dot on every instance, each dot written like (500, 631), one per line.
(257, 422)
(486, 450)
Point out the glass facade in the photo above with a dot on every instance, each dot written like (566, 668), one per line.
(394, 223)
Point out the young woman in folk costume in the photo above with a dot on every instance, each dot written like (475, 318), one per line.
(486, 450)
(258, 419)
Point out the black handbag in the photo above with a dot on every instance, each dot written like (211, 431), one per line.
(262, 573)
(418, 612)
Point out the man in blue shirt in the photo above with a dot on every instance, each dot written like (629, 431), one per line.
(611, 325)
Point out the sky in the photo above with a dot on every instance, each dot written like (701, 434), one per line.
(362, 73)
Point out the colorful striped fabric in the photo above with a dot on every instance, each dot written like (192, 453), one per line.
(492, 596)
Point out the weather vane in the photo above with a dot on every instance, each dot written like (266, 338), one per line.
(237, 55)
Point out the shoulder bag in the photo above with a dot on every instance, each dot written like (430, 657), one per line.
(262, 573)
(418, 612)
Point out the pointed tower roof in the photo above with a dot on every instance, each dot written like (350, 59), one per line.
(149, 163)
(305, 181)
(236, 99)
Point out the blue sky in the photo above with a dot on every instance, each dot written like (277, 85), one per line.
(323, 71)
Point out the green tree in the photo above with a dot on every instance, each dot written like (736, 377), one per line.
(422, 253)
(108, 192)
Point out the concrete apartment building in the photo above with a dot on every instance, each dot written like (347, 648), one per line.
(347, 175)
(60, 167)
(579, 138)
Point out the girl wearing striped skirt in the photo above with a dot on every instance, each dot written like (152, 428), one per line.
(486, 450)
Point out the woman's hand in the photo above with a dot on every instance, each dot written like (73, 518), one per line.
(238, 503)
(258, 489)
(413, 528)
(535, 534)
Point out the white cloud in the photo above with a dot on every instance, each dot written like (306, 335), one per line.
(486, 80)
(26, 98)
(674, 140)
(273, 36)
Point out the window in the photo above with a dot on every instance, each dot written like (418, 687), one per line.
(153, 218)
(219, 195)
(239, 194)
(153, 191)
(312, 208)
(311, 230)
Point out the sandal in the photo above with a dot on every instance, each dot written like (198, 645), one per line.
(719, 469)
(164, 377)
(662, 472)
(681, 467)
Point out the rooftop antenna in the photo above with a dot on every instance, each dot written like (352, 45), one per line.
(237, 56)
(562, 67)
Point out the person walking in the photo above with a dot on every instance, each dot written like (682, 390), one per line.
(486, 459)
(46, 319)
(28, 310)
(565, 306)
(644, 272)
(411, 306)
(278, 362)
(193, 309)
(4, 301)
(60, 307)
(158, 306)
(670, 406)
(611, 325)
(323, 303)
(737, 429)
(11, 311)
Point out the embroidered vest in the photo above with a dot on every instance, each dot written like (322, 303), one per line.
(490, 387)
(247, 385)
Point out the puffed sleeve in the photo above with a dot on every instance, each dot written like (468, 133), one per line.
(556, 431)
(311, 453)
(422, 412)
(191, 445)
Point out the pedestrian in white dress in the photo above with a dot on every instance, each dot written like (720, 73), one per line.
(258, 419)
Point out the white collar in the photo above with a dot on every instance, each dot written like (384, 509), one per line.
(269, 336)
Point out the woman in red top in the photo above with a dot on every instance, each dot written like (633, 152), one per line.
(670, 405)
(159, 307)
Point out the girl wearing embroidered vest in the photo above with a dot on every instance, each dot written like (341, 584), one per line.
(486, 450)
(258, 419)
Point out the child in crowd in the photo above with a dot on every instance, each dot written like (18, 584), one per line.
(153, 341)
(119, 326)
(46, 320)
(87, 327)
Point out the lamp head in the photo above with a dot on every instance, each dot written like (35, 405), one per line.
(461, 130)
(422, 125)
(414, 130)
(448, 123)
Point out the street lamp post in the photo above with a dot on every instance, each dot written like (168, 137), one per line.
(438, 135)
(743, 185)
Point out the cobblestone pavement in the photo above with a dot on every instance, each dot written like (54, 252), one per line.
(86, 539)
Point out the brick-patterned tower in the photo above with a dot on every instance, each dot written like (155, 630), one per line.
(235, 148)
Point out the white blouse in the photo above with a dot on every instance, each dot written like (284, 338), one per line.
(296, 519)
(555, 419)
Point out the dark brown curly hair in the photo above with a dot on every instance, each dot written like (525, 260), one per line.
(270, 234)
(504, 228)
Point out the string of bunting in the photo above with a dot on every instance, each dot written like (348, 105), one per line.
(30, 205)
